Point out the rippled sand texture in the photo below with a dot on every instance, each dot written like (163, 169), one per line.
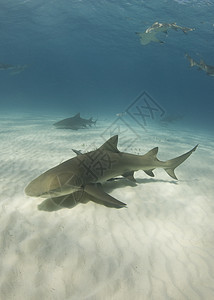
(160, 247)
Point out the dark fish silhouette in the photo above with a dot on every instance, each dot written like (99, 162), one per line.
(81, 177)
(201, 65)
(6, 66)
(74, 123)
(15, 69)
(171, 118)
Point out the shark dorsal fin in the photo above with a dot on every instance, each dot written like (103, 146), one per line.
(111, 144)
(153, 152)
(77, 116)
(77, 152)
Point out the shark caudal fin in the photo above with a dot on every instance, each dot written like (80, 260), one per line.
(171, 164)
(191, 61)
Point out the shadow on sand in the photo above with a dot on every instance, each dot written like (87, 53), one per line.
(71, 200)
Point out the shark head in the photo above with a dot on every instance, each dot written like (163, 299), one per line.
(52, 184)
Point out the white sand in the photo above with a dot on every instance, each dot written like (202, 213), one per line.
(160, 247)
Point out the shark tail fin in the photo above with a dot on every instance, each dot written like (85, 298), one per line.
(171, 164)
(191, 60)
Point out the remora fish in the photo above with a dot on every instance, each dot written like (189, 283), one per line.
(201, 65)
(85, 172)
(74, 123)
(149, 35)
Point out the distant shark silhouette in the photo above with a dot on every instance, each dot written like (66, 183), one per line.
(201, 65)
(171, 118)
(74, 123)
(6, 66)
(83, 175)
(149, 35)
(14, 69)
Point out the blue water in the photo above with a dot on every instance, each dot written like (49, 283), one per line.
(85, 56)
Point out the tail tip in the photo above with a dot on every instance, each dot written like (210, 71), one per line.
(171, 173)
(195, 148)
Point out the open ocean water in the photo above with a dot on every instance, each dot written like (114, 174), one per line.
(62, 57)
(85, 56)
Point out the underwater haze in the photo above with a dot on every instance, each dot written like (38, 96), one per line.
(75, 74)
(85, 56)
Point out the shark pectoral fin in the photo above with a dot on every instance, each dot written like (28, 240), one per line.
(129, 176)
(96, 192)
(150, 173)
(156, 40)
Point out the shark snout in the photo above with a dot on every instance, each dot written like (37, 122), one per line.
(54, 185)
(31, 190)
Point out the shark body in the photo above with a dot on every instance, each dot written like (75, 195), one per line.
(84, 174)
(149, 35)
(201, 65)
(74, 123)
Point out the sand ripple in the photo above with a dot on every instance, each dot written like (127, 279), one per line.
(160, 247)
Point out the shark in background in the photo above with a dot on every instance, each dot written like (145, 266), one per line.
(82, 176)
(201, 65)
(14, 69)
(74, 123)
(149, 35)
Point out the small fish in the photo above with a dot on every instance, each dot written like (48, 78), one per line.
(121, 114)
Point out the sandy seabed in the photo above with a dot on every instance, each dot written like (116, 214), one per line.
(160, 247)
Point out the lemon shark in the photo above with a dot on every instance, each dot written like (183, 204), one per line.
(149, 35)
(84, 174)
(74, 123)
